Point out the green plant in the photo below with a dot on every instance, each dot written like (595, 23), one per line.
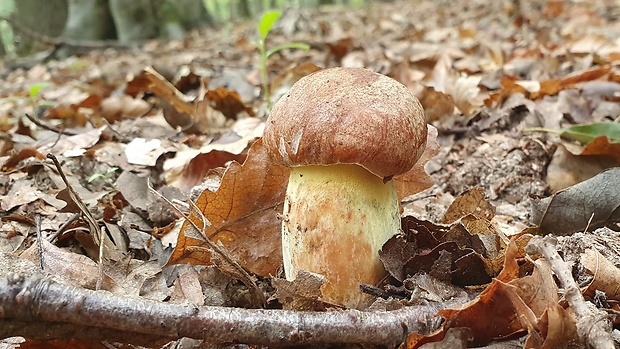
(105, 176)
(586, 133)
(265, 25)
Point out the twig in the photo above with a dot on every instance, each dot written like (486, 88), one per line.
(49, 128)
(64, 226)
(240, 272)
(96, 232)
(37, 299)
(57, 42)
(593, 328)
(37, 221)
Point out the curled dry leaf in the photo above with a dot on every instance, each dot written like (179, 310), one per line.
(243, 213)
(606, 274)
(228, 102)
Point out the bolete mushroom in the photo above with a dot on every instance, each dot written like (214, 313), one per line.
(345, 133)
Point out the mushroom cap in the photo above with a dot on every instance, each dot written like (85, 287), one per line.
(347, 116)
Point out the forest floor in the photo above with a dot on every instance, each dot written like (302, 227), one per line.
(526, 104)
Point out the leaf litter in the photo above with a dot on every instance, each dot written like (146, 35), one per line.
(469, 205)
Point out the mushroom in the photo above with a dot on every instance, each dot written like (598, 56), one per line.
(344, 133)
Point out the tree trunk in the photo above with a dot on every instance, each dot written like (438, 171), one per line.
(135, 20)
(89, 20)
(244, 9)
(45, 17)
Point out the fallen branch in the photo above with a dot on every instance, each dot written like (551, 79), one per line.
(58, 42)
(37, 299)
(592, 327)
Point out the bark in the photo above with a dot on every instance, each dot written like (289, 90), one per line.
(37, 300)
(44, 17)
(135, 20)
(89, 20)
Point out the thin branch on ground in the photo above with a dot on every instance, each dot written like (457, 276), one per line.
(592, 327)
(239, 272)
(59, 42)
(49, 128)
(33, 299)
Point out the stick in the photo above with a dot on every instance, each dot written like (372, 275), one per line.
(36, 299)
(592, 327)
(57, 42)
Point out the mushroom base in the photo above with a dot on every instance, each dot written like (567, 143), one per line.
(336, 219)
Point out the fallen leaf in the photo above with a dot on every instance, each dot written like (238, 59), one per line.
(228, 102)
(416, 179)
(470, 202)
(590, 204)
(602, 145)
(605, 274)
(243, 215)
(72, 268)
(302, 294)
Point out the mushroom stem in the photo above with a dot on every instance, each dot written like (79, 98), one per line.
(336, 219)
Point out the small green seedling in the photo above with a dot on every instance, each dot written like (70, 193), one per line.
(264, 27)
(105, 176)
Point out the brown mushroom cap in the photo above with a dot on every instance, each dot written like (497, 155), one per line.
(347, 116)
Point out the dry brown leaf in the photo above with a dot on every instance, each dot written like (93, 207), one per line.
(180, 111)
(228, 102)
(16, 158)
(471, 202)
(244, 216)
(490, 316)
(416, 179)
(601, 146)
(567, 168)
(166, 91)
(606, 274)
(303, 293)
(437, 105)
(553, 86)
(187, 288)
(73, 268)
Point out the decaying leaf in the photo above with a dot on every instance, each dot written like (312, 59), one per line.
(302, 294)
(508, 308)
(590, 204)
(243, 213)
(471, 202)
(72, 268)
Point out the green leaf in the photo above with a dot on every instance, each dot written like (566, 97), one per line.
(585, 134)
(267, 22)
(94, 177)
(295, 45)
(36, 88)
